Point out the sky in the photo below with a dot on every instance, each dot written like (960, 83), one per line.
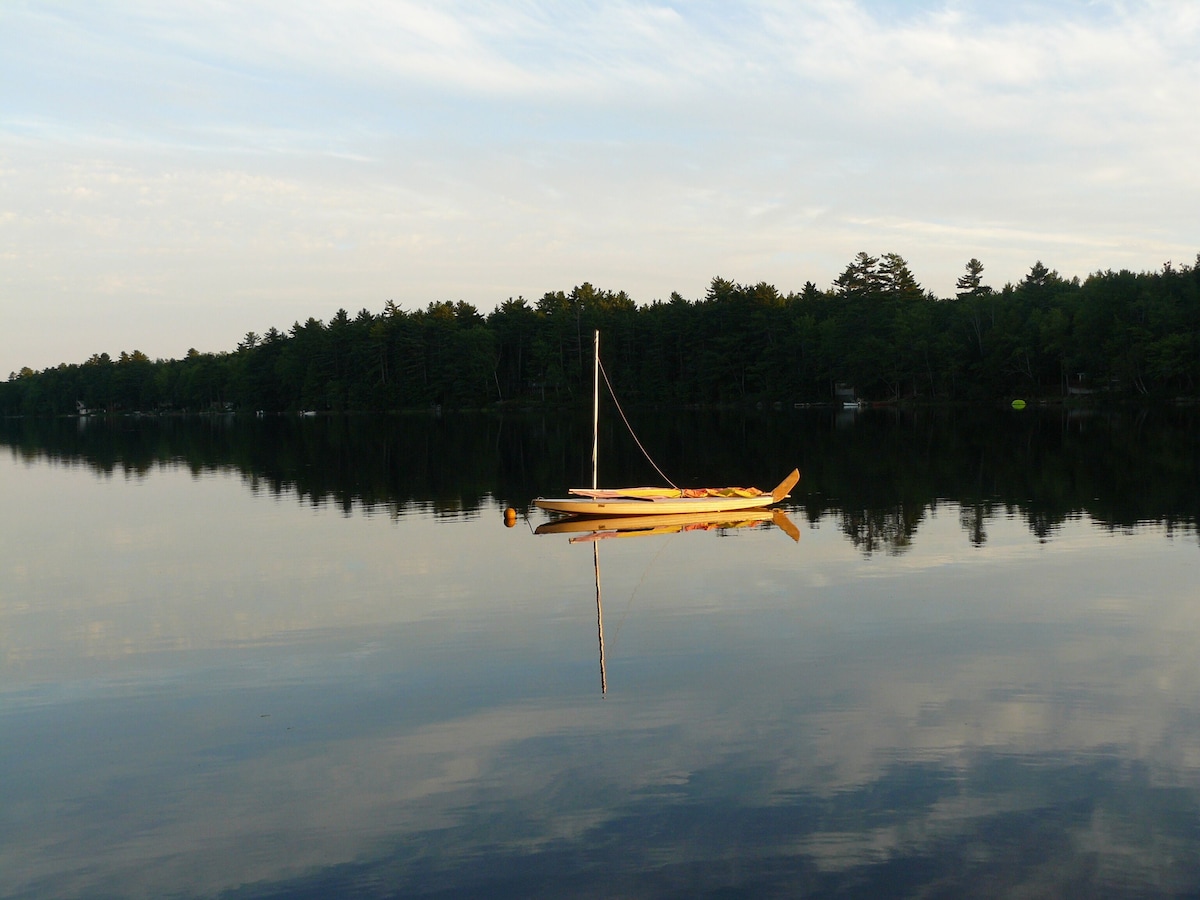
(175, 175)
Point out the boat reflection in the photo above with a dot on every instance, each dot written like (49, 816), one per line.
(592, 528)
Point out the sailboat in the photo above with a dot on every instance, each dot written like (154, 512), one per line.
(656, 501)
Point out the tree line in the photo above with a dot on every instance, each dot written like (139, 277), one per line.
(874, 332)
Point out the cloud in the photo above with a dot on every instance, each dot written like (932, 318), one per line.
(478, 150)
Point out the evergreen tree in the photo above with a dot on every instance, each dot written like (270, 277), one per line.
(971, 284)
(860, 278)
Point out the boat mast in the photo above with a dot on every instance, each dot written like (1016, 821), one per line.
(595, 404)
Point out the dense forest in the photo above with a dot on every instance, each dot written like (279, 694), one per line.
(875, 332)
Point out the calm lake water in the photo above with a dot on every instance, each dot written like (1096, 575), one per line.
(305, 658)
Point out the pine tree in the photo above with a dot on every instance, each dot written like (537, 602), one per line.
(971, 284)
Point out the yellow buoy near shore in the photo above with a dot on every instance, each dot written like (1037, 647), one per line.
(1018, 404)
(510, 517)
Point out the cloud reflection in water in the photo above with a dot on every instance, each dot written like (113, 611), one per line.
(230, 693)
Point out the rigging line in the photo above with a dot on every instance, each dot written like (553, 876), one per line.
(617, 402)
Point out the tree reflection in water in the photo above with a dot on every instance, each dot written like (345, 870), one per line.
(878, 474)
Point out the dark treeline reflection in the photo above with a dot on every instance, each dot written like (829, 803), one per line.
(878, 473)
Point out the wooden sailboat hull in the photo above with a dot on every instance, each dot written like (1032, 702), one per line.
(660, 502)
(650, 506)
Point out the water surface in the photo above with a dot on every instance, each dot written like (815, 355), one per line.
(301, 658)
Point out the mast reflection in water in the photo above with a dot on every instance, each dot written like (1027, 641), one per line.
(593, 529)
